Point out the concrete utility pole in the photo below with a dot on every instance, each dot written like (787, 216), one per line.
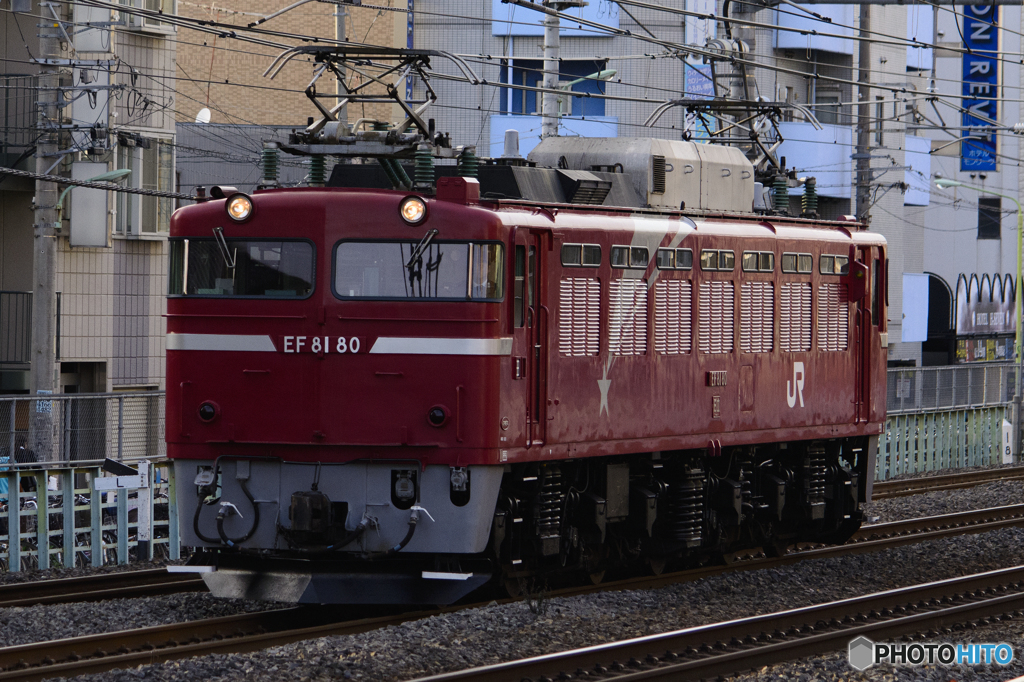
(863, 156)
(552, 43)
(44, 242)
(340, 33)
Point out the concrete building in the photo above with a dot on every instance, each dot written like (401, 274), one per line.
(111, 248)
(911, 136)
(226, 76)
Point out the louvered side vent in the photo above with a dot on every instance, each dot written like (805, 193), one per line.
(658, 184)
(579, 316)
(627, 317)
(672, 317)
(833, 317)
(717, 303)
(757, 317)
(795, 316)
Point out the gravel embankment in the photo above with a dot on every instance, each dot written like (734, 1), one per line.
(995, 494)
(498, 633)
(59, 573)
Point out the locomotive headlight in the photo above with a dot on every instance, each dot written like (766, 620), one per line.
(413, 210)
(208, 411)
(239, 207)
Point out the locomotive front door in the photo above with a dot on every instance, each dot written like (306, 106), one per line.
(533, 322)
(861, 338)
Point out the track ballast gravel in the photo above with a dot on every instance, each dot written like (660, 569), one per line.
(499, 633)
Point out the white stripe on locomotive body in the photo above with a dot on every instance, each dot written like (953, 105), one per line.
(258, 343)
(393, 345)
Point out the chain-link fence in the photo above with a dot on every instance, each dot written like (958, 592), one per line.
(121, 426)
(923, 389)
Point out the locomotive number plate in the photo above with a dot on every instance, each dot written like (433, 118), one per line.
(319, 345)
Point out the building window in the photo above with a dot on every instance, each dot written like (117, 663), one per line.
(152, 164)
(572, 77)
(827, 109)
(140, 22)
(990, 213)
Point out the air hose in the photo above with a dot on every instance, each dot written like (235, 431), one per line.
(414, 518)
(195, 525)
(226, 510)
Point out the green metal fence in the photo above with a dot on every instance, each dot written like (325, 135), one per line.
(81, 523)
(941, 439)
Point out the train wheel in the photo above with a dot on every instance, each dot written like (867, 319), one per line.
(657, 565)
(514, 588)
(596, 578)
(775, 548)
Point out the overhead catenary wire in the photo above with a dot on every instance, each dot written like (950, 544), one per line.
(804, 74)
(753, 63)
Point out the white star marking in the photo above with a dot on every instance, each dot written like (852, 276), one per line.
(604, 385)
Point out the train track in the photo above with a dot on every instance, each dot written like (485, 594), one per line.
(142, 583)
(252, 632)
(928, 484)
(749, 643)
(122, 585)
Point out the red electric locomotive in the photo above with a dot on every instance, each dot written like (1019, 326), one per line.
(598, 358)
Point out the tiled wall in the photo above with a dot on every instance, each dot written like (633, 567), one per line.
(112, 307)
(240, 93)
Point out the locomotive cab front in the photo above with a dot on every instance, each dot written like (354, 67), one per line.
(333, 364)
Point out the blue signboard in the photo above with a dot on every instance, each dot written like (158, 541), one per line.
(980, 87)
(699, 85)
(514, 20)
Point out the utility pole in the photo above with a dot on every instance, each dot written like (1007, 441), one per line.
(552, 43)
(44, 242)
(340, 16)
(864, 115)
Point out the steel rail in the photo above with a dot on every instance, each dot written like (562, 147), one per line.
(735, 646)
(121, 585)
(241, 633)
(927, 484)
(252, 632)
(871, 538)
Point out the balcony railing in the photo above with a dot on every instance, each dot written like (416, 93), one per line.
(17, 116)
(15, 328)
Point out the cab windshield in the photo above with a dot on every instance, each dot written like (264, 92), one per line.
(425, 269)
(241, 268)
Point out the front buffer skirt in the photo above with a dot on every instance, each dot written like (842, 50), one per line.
(311, 582)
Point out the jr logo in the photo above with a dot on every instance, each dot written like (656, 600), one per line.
(795, 388)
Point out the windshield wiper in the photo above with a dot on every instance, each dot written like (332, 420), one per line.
(222, 244)
(421, 247)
